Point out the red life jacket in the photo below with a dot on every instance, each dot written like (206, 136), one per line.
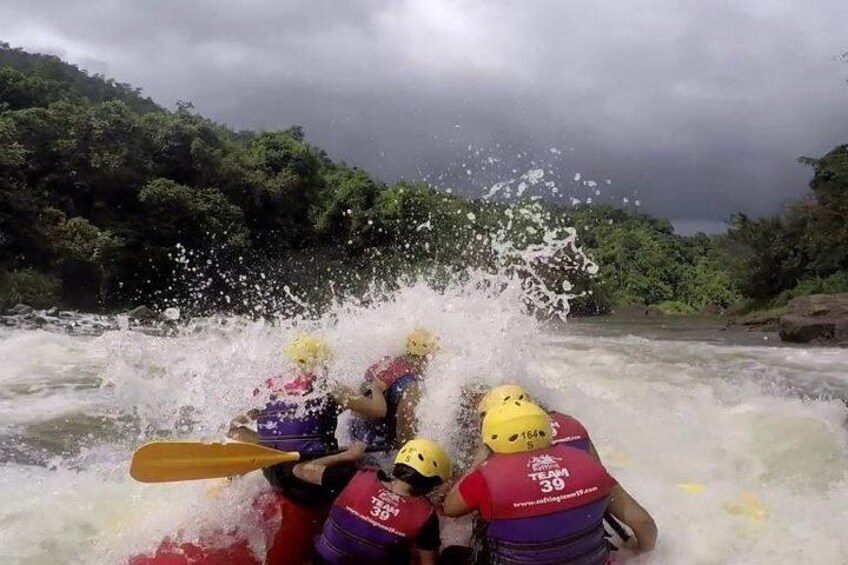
(390, 369)
(569, 431)
(369, 523)
(547, 506)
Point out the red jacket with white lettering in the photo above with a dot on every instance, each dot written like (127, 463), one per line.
(569, 431)
(547, 506)
(368, 523)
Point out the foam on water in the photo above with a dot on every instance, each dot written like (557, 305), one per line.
(737, 420)
(660, 412)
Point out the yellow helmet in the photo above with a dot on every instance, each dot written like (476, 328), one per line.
(308, 352)
(425, 456)
(499, 395)
(421, 342)
(515, 426)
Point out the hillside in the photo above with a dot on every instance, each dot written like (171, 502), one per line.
(106, 200)
(30, 79)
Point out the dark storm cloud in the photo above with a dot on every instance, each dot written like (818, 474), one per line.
(698, 109)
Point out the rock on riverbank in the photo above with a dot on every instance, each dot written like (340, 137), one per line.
(818, 318)
(141, 318)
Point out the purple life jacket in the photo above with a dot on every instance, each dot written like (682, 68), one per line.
(368, 523)
(291, 422)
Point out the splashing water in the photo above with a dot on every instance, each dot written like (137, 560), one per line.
(662, 413)
(770, 467)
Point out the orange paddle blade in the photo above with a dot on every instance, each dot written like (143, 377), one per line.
(163, 462)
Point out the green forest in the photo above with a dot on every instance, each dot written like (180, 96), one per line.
(108, 200)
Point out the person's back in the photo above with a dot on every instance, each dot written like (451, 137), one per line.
(541, 503)
(389, 420)
(371, 523)
(547, 504)
(569, 431)
(299, 415)
(382, 519)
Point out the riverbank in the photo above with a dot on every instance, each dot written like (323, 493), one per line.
(141, 318)
(713, 329)
(816, 319)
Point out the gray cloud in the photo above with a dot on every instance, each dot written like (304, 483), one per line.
(698, 109)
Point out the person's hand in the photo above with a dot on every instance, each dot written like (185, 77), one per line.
(355, 451)
(628, 550)
(343, 394)
(379, 385)
(241, 433)
(238, 422)
(440, 493)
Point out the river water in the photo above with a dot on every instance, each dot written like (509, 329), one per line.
(758, 426)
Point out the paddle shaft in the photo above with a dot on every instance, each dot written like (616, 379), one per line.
(375, 449)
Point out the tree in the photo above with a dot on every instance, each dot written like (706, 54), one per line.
(180, 214)
(84, 256)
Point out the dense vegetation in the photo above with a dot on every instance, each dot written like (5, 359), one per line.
(805, 250)
(108, 200)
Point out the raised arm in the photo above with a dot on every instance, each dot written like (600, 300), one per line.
(313, 471)
(372, 404)
(454, 504)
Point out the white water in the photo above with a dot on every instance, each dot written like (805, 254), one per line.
(733, 418)
(661, 412)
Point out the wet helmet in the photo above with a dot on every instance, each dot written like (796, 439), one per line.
(308, 352)
(425, 457)
(499, 395)
(421, 342)
(516, 426)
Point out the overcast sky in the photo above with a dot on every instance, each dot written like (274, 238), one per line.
(695, 108)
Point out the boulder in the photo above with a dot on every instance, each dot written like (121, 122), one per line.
(803, 329)
(761, 321)
(143, 314)
(52, 311)
(20, 309)
(819, 318)
(819, 306)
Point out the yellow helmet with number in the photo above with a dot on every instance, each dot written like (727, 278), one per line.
(421, 342)
(308, 352)
(499, 395)
(516, 426)
(426, 457)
